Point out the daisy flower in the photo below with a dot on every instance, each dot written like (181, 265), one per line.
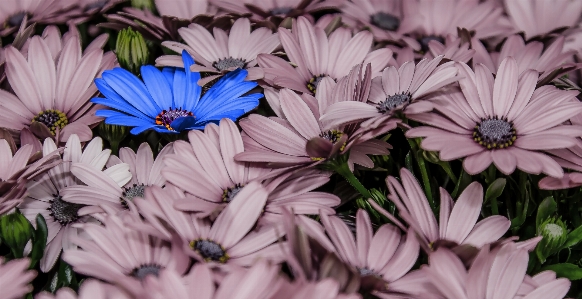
(206, 169)
(457, 220)
(454, 48)
(540, 17)
(53, 85)
(267, 9)
(102, 191)
(496, 273)
(35, 11)
(120, 255)
(397, 90)
(84, 10)
(385, 255)
(230, 240)
(90, 289)
(317, 56)
(15, 278)
(219, 54)
(505, 120)
(45, 193)
(570, 158)
(147, 104)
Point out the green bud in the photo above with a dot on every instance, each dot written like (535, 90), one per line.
(15, 231)
(114, 134)
(143, 4)
(131, 50)
(554, 233)
(432, 157)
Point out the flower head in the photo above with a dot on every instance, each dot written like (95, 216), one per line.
(15, 278)
(505, 120)
(266, 9)
(525, 15)
(14, 12)
(147, 105)
(90, 289)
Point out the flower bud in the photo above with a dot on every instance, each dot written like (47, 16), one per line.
(131, 50)
(114, 134)
(143, 4)
(15, 231)
(432, 157)
(554, 233)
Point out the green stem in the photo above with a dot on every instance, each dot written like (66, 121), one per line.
(425, 181)
(114, 147)
(458, 185)
(449, 171)
(343, 169)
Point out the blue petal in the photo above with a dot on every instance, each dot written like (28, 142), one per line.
(157, 86)
(128, 121)
(138, 130)
(114, 100)
(168, 73)
(162, 129)
(132, 90)
(180, 89)
(245, 104)
(227, 81)
(207, 104)
(181, 123)
(194, 90)
(215, 118)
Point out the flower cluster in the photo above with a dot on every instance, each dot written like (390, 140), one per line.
(290, 149)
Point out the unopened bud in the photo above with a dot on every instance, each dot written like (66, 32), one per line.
(143, 4)
(554, 233)
(131, 50)
(114, 134)
(15, 231)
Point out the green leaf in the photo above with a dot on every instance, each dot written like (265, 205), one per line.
(39, 240)
(495, 189)
(546, 209)
(570, 271)
(574, 237)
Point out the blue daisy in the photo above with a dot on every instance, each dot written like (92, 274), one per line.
(168, 101)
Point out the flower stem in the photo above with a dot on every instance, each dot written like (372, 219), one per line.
(343, 169)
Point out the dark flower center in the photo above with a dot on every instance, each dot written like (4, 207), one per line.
(494, 133)
(385, 21)
(278, 11)
(209, 250)
(96, 5)
(230, 192)
(394, 101)
(144, 270)
(366, 272)
(425, 40)
(16, 19)
(52, 119)
(227, 63)
(332, 135)
(314, 82)
(129, 193)
(62, 211)
(166, 117)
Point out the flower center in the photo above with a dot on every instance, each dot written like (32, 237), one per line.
(209, 250)
(553, 230)
(494, 133)
(16, 19)
(52, 119)
(278, 11)
(394, 101)
(314, 82)
(144, 270)
(385, 21)
(166, 117)
(366, 272)
(332, 135)
(227, 63)
(230, 192)
(425, 40)
(129, 193)
(62, 211)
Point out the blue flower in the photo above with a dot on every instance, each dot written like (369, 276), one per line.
(169, 101)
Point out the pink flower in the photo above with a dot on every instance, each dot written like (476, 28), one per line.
(90, 289)
(505, 120)
(45, 193)
(386, 255)
(229, 240)
(122, 256)
(383, 18)
(56, 100)
(318, 56)
(15, 278)
(397, 90)
(222, 53)
(457, 221)
(209, 157)
(540, 17)
(102, 191)
(494, 274)
(454, 48)
(35, 11)
(568, 158)
(268, 9)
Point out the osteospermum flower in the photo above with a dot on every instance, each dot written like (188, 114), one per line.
(15, 278)
(35, 11)
(568, 158)
(229, 240)
(496, 273)
(219, 54)
(539, 17)
(53, 85)
(89, 289)
(386, 255)
(123, 256)
(169, 101)
(318, 56)
(83, 10)
(397, 90)
(505, 120)
(457, 220)
(145, 171)
(206, 169)
(267, 9)
(45, 193)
